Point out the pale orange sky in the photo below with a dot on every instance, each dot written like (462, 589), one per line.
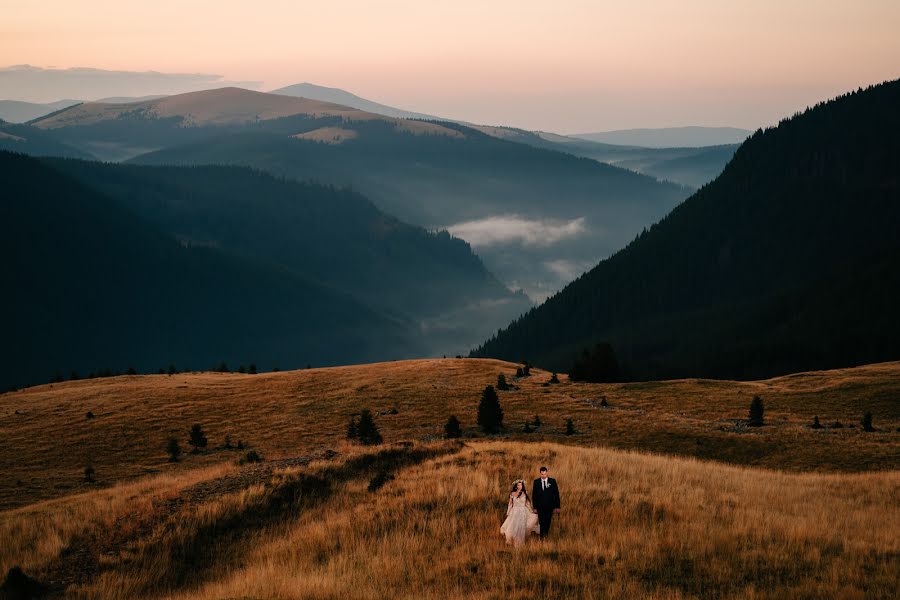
(567, 66)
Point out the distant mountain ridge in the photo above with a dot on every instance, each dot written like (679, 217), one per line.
(788, 261)
(345, 98)
(669, 137)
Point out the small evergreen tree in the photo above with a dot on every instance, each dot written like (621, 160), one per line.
(757, 412)
(527, 428)
(526, 369)
(89, 473)
(197, 437)
(520, 372)
(815, 423)
(554, 378)
(570, 427)
(867, 421)
(172, 369)
(367, 429)
(490, 414)
(252, 369)
(131, 371)
(537, 421)
(173, 449)
(242, 369)
(89, 415)
(501, 383)
(452, 428)
(352, 431)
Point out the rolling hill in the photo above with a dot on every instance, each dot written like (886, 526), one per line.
(345, 98)
(787, 261)
(16, 111)
(334, 237)
(437, 175)
(317, 516)
(93, 286)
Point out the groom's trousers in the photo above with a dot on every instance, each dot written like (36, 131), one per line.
(544, 518)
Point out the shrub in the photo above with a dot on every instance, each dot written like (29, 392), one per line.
(452, 428)
(197, 438)
(815, 423)
(490, 414)
(368, 430)
(501, 383)
(867, 421)
(604, 403)
(251, 457)
(89, 473)
(89, 415)
(757, 412)
(537, 421)
(352, 429)
(527, 428)
(520, 372)
(173, 449)
(837, 425)
(570, 427)
(19, 585)
(240, 445)
(554, 378)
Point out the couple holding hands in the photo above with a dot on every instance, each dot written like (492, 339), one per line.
(532, 514)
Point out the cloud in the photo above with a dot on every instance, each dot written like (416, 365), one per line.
(36, 84)
(567, 270)
(508, 229)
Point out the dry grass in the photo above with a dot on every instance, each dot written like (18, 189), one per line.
(328, 135)
(633, 526)
(47, 441)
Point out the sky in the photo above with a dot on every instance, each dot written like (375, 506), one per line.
(569, 66)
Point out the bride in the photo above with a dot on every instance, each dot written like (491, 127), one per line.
(520, 518)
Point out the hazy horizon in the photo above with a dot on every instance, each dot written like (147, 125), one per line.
(589, 66)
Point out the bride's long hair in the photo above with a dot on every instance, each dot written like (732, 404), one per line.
(524, 491)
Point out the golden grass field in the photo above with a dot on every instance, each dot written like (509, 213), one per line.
(651, 509)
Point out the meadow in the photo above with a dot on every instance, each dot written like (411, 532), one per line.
(666, 493)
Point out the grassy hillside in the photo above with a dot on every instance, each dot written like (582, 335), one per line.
(633, 526)
(48, 440)
(787, 262)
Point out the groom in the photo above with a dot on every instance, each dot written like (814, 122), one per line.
(545, 499)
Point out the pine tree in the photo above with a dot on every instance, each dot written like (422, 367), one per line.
(452, 428)
(89, 473)
(197, 437)
(352, 431)
(490, 415)
(816, 424)
(367, 429)
(173, 449)
(252, 369)
(537, 421)
(757, 412)
(867, 421)
(501, 383)
(570, 427)
(554, 378)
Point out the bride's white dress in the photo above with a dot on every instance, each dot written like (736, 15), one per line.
(520, 521)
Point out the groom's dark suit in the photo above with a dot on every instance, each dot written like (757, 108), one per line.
(545, 499)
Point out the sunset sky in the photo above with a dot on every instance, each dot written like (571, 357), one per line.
(568, 66)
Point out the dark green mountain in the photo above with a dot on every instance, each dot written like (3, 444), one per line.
(30, 140)
(89, 285)
(331, 236)
(789, 260)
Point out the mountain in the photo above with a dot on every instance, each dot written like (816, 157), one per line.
(559, 213)
(30, 140)
(336, 238)
(93, 286)
(339, 96)
(788, 261)
(692, 167)
(16, 111)
(670, 137)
